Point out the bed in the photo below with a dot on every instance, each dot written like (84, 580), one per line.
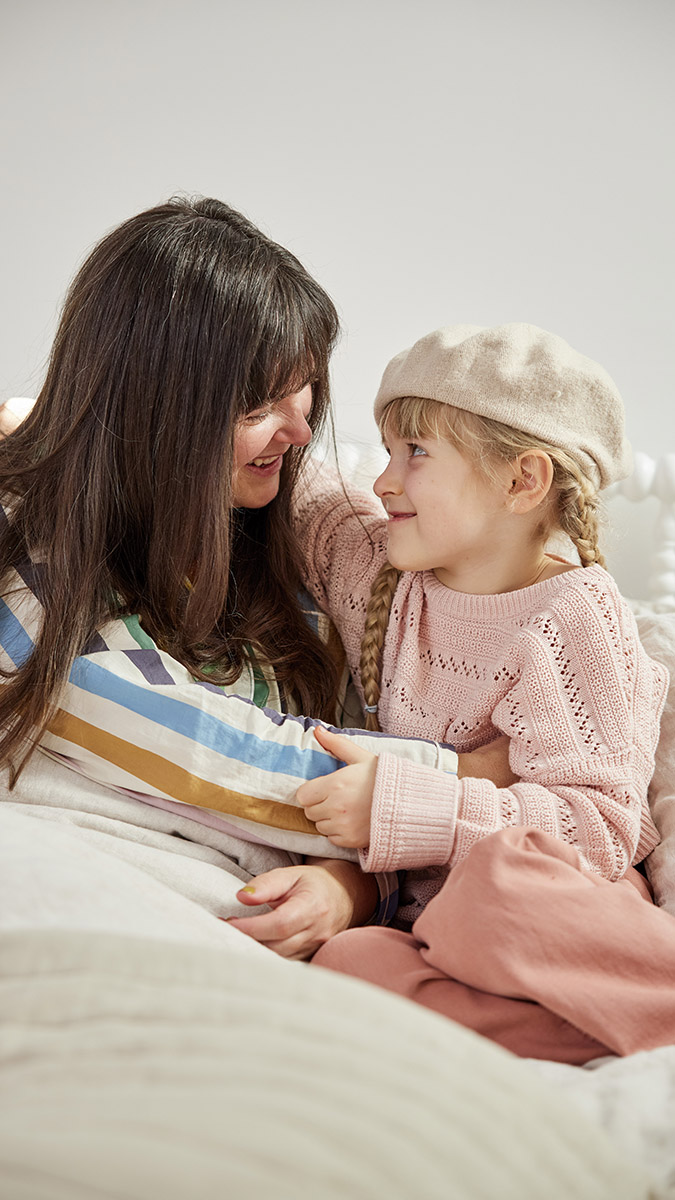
(150, 1050)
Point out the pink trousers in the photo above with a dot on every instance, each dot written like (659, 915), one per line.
(526, 948)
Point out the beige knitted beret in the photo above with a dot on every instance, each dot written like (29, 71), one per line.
(524, 377)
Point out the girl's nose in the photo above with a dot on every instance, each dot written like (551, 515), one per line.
(387, 484)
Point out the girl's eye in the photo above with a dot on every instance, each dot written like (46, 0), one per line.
(415, 450)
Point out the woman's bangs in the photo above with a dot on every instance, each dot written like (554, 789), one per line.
(295, 344)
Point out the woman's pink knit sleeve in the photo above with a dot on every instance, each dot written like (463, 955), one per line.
(343, 541)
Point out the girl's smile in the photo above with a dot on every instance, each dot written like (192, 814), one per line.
(398, 516)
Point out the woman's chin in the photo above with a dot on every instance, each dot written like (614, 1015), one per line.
(255, 493)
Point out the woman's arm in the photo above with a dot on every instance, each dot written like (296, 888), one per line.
(132, 718)
(343, 542)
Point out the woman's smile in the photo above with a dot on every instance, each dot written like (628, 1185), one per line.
(266, 466)
(262, 439)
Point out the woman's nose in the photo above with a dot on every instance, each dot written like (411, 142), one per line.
(295, 427)
(303, 433)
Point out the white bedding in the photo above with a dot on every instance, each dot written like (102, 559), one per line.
(633, 1099)
(106, 1020)
(150, 1051)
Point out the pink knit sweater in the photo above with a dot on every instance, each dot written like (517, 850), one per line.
(558, 667)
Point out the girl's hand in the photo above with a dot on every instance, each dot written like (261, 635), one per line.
(311, 903)
(340, 804)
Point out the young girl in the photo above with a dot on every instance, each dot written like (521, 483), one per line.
(498, 439)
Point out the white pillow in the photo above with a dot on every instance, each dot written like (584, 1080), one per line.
(136, 1068)
(657, 634)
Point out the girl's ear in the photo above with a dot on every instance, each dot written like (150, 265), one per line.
(529, 480)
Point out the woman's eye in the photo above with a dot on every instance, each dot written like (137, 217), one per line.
(258, 415)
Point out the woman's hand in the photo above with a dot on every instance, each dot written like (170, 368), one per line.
(340, 804)
(311, 902)
(489, 762)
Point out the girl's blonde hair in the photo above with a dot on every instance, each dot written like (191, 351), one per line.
(573, 508)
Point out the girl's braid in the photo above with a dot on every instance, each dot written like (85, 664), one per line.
(377, 619)
(578, 504)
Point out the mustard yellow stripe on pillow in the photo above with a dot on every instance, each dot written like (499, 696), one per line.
(175, 781)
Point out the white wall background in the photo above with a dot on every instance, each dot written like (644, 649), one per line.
(431, 162)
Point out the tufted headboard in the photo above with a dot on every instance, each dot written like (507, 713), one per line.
(654, 479)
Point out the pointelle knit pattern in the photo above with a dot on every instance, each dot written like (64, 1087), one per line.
(558, 667)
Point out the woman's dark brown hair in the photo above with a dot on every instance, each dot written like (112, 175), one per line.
(180, 321)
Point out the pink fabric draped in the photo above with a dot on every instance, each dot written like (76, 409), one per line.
(525, 947)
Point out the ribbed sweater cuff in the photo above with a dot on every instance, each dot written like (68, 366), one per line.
(412, 821)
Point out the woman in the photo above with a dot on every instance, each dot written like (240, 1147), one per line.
(150, 573)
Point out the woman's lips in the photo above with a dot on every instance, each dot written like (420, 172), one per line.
(395, 517)
(265, 465)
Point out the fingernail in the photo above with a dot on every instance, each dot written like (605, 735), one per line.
(248, 889)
